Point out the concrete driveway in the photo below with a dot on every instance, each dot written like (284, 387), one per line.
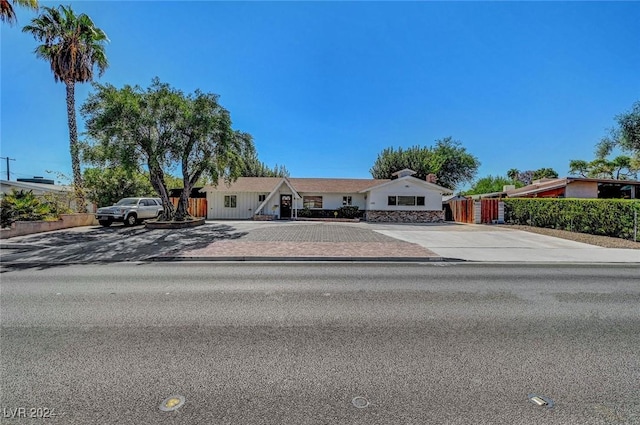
(249, 240)
(474, 242)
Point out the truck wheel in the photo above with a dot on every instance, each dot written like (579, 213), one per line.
(105, 223)
(130, 220)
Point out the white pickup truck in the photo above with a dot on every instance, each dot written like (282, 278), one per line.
(130, 211)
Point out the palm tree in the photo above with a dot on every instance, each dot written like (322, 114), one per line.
(7, 13)
(513, 174)
(73, 45)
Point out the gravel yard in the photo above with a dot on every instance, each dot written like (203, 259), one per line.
(603, 241)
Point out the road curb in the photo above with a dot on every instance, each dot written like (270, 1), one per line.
(310, 259)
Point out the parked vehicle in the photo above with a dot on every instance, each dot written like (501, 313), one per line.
(130, 211)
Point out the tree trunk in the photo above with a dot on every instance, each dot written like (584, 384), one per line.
(182, 212)
(78, 186)
(156, 176)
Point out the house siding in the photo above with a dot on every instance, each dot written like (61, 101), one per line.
(580, 189)
(246, 203)
(378, 197)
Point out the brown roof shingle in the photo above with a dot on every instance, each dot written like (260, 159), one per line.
(317, 185)
(305, 185)
(245, 184)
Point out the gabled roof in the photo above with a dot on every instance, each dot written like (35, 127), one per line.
(410, 179)
(550, 184)
(311, 185)
(245, 184)
(541, 186)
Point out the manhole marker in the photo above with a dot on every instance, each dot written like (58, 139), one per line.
(540, 400)
(360, 402)
(172, 403)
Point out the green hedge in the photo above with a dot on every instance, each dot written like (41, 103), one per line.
(608, 217)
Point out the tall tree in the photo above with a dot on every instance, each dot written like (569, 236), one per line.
(545, 173)
(7, 12)
(620, 168)
(205, 143)
(491, 184)
(73, 46)
(625, 136)
(253, 167)
(448, 160)
(513, 174)
(160, 129)
(133, 128)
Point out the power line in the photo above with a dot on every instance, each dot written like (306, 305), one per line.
(8, 159)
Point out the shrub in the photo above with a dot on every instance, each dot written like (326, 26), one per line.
(305, 212)
(25, 206)
(607, 217)
(348, 212)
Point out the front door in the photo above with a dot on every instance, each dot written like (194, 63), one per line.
(285, 207)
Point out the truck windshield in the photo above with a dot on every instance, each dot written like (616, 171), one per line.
(127, 201)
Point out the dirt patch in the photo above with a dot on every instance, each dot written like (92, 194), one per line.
(603, 241)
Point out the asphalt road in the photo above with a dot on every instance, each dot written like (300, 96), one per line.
(295, 344)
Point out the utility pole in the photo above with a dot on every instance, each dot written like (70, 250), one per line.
(8, 159)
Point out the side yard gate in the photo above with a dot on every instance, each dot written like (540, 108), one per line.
(197, 206)
(482, 211)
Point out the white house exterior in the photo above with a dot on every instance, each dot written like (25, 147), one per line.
(404, 199)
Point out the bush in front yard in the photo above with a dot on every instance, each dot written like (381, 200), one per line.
(607, 217)
(23, 205)
(348, 212)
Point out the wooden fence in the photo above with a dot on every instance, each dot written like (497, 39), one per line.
(489, 210)
(464, 211)
(197, 206)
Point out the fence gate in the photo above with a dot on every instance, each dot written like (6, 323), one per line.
(462, 211)
(484, 211)
(489, 210)
(197, 206)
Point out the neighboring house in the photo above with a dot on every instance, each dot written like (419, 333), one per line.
(402, 199)
(40, 187)
(572, 187)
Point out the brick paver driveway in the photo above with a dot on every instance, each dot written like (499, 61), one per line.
(310, 240)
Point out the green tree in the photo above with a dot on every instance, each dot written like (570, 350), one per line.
(544, 173)
(133, 128)
(205, 144)
(626, 135)
(513, 174)
(160, 129)
(73, 46)
(620, 168)
(491, 184)
(106, 186)
(252, 166)
(7, 12)
(448, 160)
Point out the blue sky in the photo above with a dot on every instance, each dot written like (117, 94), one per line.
(325, 86)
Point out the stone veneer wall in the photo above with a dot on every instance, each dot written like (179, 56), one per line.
(405, 216)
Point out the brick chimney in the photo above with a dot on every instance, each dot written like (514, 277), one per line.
(431, 178)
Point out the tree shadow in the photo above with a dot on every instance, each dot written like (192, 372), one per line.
(112, 244)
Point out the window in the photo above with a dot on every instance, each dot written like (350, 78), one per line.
(261, 198)
(312, 201)
(346, 201)
(406, 201)
(230, 201)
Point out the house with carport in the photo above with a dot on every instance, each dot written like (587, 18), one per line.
(403, 198)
